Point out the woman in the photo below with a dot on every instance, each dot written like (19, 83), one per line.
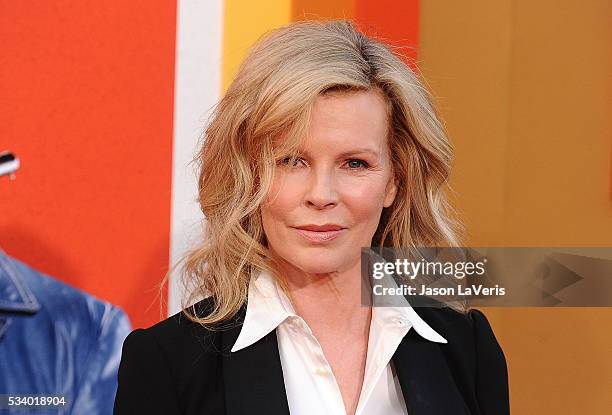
(325, 142)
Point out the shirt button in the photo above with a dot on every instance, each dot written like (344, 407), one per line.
(401, 322)
(321, 371)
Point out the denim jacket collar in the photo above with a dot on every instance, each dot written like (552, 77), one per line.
(15, 295)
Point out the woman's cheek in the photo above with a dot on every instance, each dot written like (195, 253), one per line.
(288, 197)
(364, 197)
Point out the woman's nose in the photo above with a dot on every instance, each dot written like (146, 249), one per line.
(321, 189)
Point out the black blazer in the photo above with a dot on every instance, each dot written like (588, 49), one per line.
(178, 367)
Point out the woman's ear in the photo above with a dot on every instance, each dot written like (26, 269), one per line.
(390, 192)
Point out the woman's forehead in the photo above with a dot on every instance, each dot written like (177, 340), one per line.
(355, 121)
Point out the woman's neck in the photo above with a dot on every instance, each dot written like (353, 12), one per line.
(333, 299)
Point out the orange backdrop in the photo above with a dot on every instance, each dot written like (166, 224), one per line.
(87, 105)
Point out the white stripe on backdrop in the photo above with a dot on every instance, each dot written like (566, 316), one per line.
(197, 88)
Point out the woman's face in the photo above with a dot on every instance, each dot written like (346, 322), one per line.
(343, 178)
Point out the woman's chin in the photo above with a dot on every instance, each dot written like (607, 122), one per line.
(320, 271)
(313, 262)
(320, 266)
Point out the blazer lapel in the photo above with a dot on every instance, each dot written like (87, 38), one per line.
(253, 376)
(426, 381)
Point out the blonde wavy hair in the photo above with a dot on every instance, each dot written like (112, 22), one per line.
(264, 117)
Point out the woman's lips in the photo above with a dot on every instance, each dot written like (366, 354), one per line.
(319, 236)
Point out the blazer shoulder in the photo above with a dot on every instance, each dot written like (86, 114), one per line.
(178, 334)
(491, 366)
(474, 351)
(165, 368)
(468, 330)
(176, 345)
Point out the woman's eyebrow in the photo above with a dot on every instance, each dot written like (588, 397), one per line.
(360, 151)
(355, 152)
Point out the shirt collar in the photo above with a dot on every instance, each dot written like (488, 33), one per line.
(399, 307)
(268, 306)
(15, 295)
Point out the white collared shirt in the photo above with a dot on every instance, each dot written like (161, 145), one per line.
(309, 382)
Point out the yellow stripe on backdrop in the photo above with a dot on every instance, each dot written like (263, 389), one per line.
(243, 23)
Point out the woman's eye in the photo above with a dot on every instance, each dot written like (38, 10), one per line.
(287, 161)
(356, 164)
(353, 164)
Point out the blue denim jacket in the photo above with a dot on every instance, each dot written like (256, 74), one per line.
(57, 340)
